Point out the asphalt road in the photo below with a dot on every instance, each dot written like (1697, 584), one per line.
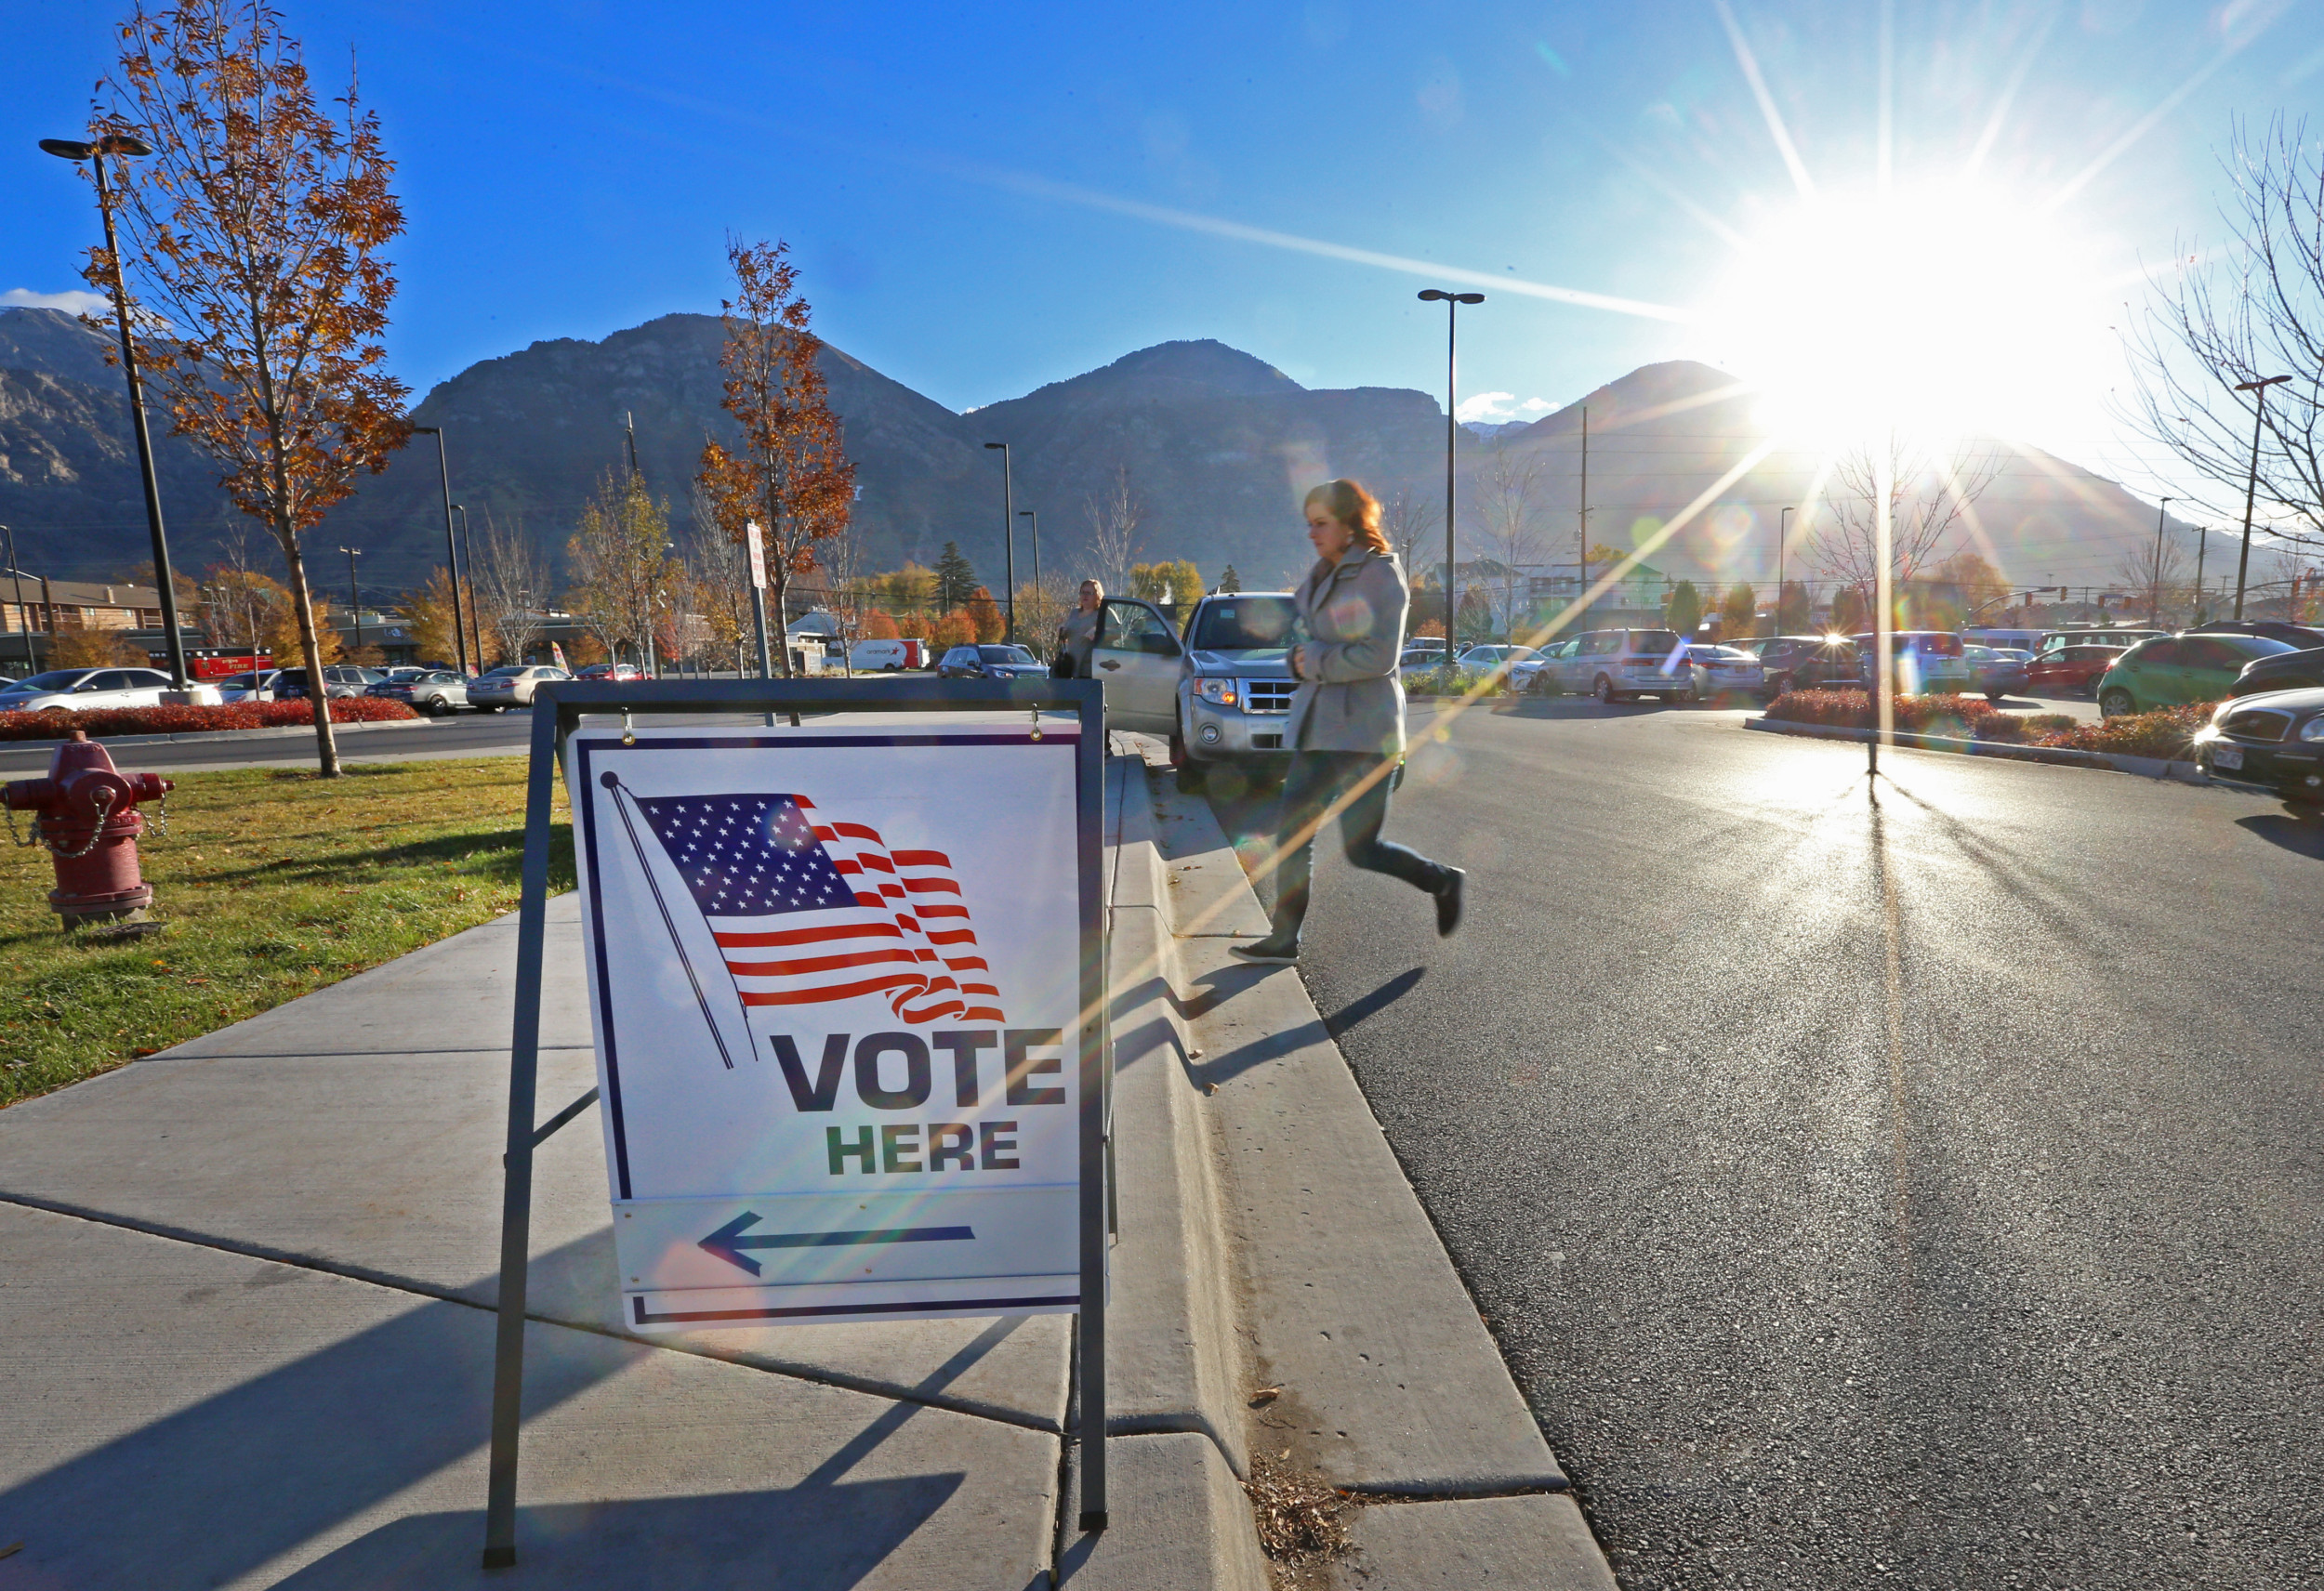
(1914, 1188)
(466, 734)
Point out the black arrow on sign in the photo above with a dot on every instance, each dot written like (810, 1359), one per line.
(728, 1241)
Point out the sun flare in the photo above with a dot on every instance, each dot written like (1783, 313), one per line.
(1936, 312)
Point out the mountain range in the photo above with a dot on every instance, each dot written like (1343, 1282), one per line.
(1218, 448)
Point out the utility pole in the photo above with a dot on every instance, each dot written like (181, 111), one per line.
(354, 596)
(1582, 618)
(2202, 543)
(451, 549)
(1783, 539)
(2251, 491)
(24, 614)
(475, 610)
(2154, 589)
(629, 426)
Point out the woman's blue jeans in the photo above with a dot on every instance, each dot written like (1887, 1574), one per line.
(1316, 780)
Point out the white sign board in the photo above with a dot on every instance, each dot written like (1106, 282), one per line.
(757, 540)
(834, 978)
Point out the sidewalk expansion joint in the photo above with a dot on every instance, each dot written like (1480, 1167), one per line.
(419, 1290)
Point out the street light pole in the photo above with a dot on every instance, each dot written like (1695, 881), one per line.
(451, 557)
(1452, 302)
(2251, 491)
(2153, 590)
(24, 614)
(354, 596)
(1008, 532)
(94, 153)
(2202, 543)
(1783, 540)
(475, 609)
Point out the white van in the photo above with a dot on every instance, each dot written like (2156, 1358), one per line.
(874, 657)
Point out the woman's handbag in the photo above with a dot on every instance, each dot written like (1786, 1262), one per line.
(1062, 668)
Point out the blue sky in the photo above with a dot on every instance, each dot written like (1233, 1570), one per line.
(986, 199)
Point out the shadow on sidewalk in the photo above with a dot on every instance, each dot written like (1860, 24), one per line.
(219, 1489)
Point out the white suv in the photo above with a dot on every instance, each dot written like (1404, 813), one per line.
(1620, 665)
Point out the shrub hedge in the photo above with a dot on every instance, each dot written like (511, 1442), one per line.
(2166, 732)
(101, 722)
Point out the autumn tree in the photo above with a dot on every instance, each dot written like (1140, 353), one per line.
(788, 473)
(1409, 519)
(250, 256)
(1230, 580)
(1738, 610)
(1794, 609)
(95, 649)
(1040, 610)
(1682, 610)
(428, 615)
(987, 622)
(1177, 582)
(1851, 612)
(717, 572)
(238, 602)
(620, 563)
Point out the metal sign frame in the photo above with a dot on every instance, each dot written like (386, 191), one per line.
(557, 711)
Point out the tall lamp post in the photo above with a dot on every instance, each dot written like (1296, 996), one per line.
(2202, 543)
(95, 153)
(1452, 302)
(467, 556)
(1783, 542)
(1008, 530)
(443, 478)
(2153, 591)
(2251, 491)
(24, 614)
(354, 596)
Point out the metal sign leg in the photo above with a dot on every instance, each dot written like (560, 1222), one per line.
(1096, 1063)
(516, 1208)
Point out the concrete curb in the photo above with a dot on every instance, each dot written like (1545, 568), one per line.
(2058, 757)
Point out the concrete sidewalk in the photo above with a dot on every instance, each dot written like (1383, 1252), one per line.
(245, 1294)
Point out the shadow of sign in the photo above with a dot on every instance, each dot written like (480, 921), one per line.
(219, 1489)
(810, 1537)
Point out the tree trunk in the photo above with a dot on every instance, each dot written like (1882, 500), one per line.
(326, 745)
(778, 632)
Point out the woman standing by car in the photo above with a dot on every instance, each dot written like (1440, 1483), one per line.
(1078, 636)
(1346, 727)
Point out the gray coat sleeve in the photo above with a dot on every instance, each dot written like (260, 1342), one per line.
(1368, 610)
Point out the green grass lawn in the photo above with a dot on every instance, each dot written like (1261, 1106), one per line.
(274, 884)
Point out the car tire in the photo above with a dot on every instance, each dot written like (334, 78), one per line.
(1779, 686)
(435, 706)
(2116, 704)
(1605, 691)
(1994, 695)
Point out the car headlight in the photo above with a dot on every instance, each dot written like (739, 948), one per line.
(2312, 729)
(1220, 692)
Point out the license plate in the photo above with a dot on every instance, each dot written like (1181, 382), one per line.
(2224, 755)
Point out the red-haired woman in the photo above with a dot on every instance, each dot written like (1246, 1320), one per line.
(1346, 727)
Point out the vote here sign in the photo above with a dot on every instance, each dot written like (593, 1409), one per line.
(834, 981)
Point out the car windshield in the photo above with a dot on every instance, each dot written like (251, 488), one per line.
(1247, 624)
(2257, 646)
(1005, 654)
(56, 679)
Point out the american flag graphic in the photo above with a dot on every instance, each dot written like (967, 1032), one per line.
(806, 912)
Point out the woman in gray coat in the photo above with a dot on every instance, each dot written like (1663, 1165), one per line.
(1346, 727)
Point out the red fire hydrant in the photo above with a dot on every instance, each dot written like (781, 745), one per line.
(87, 817)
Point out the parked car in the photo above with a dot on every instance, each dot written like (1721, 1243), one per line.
(613, 671)
(1927, 663)
(1234, 685)
(2274, 740)
(886, 657)
(1995, 672)
(2070, 671)
(2171, 669)
(339, 680)
(247, 685)
(2300, 638)
(2119, 636)
(1620, 666)
(435, 691)
(988, 663)
(1807, 663)
(1537, 675)
(511, 685)
(79, 689)
(2285, 671)
(1718, 671)
(1490, 660)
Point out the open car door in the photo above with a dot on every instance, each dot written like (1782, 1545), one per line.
(1138, 656)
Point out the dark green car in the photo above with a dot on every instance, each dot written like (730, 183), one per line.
(2171, 669)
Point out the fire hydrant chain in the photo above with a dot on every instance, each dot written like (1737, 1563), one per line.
(103, 802)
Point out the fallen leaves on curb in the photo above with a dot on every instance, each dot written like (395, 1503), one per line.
(1301, 1521)
(1266, 1395)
